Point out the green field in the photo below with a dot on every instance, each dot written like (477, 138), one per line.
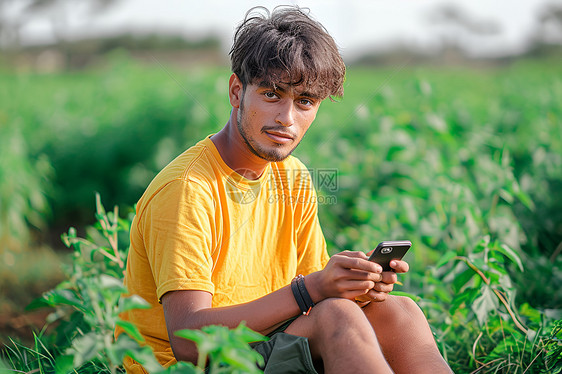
(466, 163)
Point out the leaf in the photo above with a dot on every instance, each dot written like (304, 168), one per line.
(466, 297)
(195, 335)
(448, 256)
(55, 298)
(132, 302)
(506, 284)
(248, 335)
(532, 335)
(506, 195)
(86, 348)
(525, 200)
(462, 279)
(107, 281)
(68, 239)
(37, 303)
(483, 244)
(131, 329)
(126, 346)
(406, 294)
(63, 364)
(511, 254)
(118, 350)
(496, 270)
(243, 359)
(100, 211)
(531, 313)
(181, 368)
(483, 304)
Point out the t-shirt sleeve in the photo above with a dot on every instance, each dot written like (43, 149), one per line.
(311, 245)
(177, 227)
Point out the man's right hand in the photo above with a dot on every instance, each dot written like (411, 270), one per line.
(348, 274)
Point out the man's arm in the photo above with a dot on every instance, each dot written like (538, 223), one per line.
(347, 275)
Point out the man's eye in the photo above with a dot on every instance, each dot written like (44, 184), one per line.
(270, 95)
(306, 102)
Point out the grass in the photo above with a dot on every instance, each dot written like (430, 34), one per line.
(25, 276)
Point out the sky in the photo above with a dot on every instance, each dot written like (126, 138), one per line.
(356, 25)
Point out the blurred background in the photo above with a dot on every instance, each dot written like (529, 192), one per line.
(449, 132)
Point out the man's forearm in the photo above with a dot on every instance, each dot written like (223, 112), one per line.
(191, 310)
(262, 315)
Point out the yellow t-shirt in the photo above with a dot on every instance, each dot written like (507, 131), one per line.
(202, 226)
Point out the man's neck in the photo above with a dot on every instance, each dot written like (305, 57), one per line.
(235, 153)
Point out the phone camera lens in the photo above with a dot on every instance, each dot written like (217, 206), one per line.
(386, 250)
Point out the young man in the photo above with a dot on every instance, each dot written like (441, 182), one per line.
(222, 233)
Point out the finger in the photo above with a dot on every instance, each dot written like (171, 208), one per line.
(358, 263)
(353, 294)
(383, 287)
(354, 254)
(377, 296)
(389, 277)
(354, 274)
(399, 266)
(354, 285)
(344, 274)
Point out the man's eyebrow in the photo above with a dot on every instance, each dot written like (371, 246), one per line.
(309, 94)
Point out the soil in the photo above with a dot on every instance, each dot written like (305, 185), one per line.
(20, 326)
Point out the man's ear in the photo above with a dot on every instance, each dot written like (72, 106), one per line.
(235, 91)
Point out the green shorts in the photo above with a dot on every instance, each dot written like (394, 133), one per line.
(285, 353)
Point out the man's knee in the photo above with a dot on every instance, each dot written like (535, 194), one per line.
(395, 310)
(337, 309)
(340, 321)
(408, 305)
(332, 314)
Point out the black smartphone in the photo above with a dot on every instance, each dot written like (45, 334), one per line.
(388, 251)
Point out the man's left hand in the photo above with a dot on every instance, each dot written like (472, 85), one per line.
(386, 285)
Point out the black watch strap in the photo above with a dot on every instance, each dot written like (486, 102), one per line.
(298, 296)
(304, 294)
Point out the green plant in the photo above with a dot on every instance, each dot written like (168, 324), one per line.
(23, 191)
(470, 301)
(227, 350)
(87, 307)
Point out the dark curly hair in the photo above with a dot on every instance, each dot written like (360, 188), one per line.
(288, 47)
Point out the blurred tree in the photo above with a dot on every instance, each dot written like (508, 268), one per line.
(546, 36)
(459, 27)
(458, 18)
(9, 26)
(15, 14)
(550, 26)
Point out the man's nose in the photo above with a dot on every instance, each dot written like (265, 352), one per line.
(286, 115)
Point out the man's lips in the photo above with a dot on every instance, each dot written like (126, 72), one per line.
(279, 136)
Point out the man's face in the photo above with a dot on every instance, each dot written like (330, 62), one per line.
(273, 120)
